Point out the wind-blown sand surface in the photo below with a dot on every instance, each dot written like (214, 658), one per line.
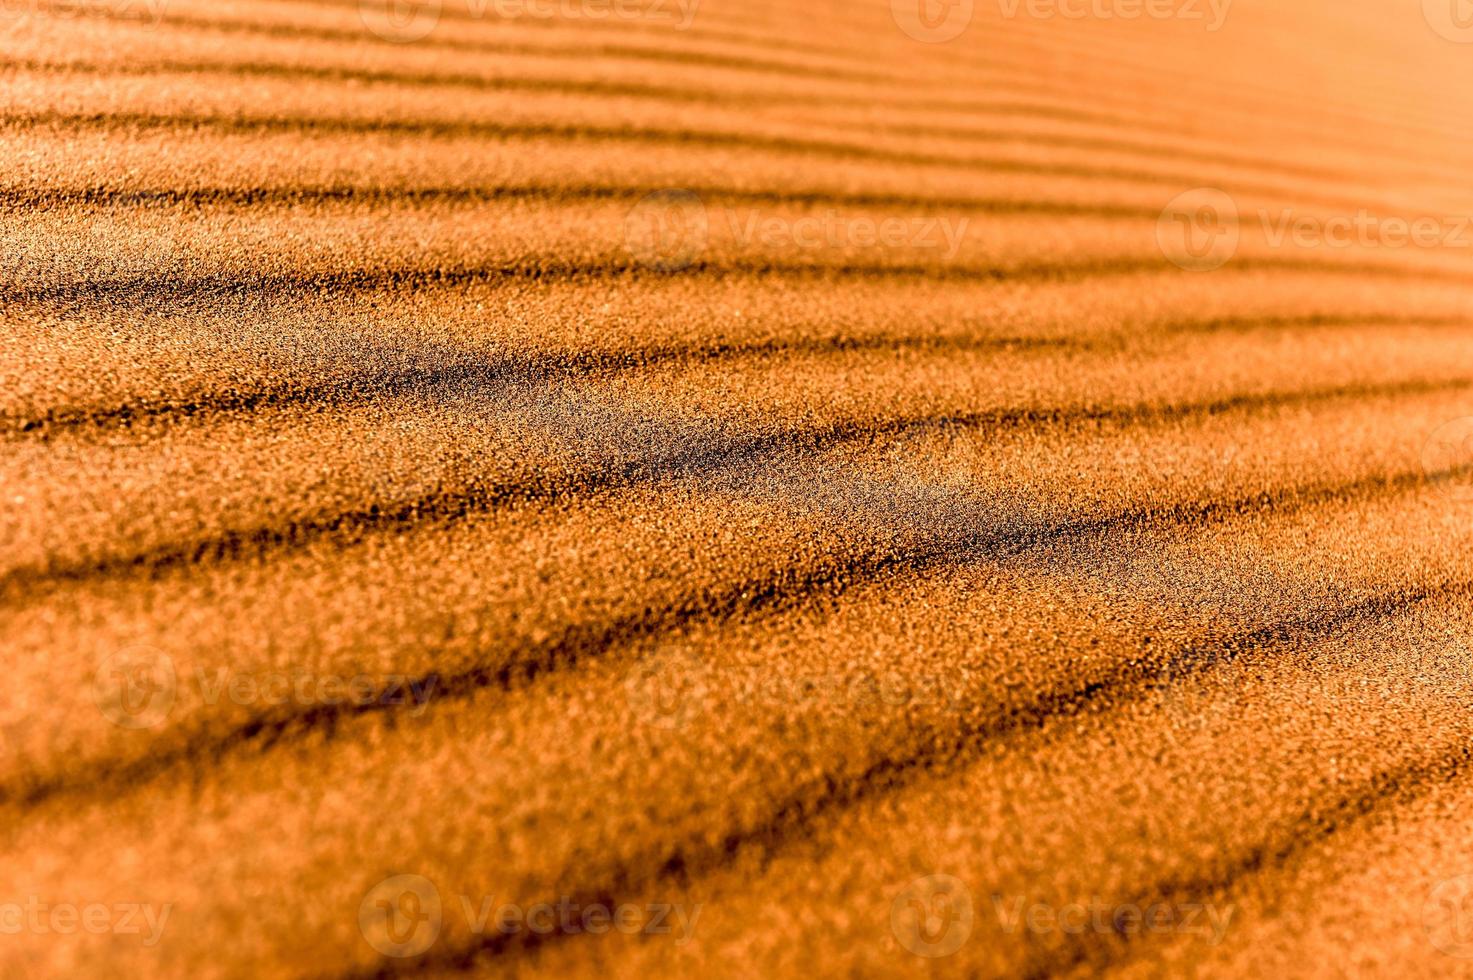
(755, 493)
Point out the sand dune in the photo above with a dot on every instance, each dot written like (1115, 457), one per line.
(735, 489)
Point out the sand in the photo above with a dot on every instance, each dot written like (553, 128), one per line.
(736, 489)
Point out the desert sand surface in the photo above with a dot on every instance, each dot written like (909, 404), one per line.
(649, 488)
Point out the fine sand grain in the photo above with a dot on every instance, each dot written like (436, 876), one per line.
(735, 489)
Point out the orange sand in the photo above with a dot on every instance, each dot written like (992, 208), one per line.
(771, 493)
